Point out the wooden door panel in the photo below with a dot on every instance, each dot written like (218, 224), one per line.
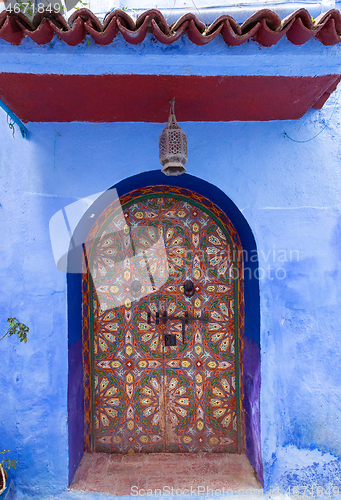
(148, 397)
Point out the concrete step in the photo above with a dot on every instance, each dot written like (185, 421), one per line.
(165, 474)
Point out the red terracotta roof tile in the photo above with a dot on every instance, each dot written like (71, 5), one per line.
(264, 26)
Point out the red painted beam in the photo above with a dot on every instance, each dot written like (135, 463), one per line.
(145, 98)
(324, 97)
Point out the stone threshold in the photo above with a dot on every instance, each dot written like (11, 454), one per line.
(162, 474)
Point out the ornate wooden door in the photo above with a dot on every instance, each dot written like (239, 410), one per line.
(148, 397)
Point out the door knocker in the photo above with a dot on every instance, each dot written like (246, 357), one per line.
(189, 288)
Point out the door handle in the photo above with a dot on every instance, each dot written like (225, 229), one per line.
(170, 340)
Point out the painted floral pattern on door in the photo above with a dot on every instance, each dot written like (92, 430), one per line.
(149, 397)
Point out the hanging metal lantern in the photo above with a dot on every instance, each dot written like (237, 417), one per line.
(173, 146)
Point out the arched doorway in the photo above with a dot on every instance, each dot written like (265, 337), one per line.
(142, 395)
(79, 400)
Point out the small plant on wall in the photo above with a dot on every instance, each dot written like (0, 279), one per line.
(5, 463)
(21, 331)
(16, 328)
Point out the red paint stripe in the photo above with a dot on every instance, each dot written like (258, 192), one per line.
(145, 98)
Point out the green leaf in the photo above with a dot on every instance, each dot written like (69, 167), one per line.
(182, 380)
(213, 305)
(171, 355)
(114, 381)
(184, 422)
(187, 243)
(113, 347)
(214, 381)
(144, 380)
(16, 328)
(183, 347)
(214, 348)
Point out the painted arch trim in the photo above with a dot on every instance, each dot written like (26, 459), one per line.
(251, 361)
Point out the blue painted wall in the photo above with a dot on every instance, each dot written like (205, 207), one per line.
(288, 192)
